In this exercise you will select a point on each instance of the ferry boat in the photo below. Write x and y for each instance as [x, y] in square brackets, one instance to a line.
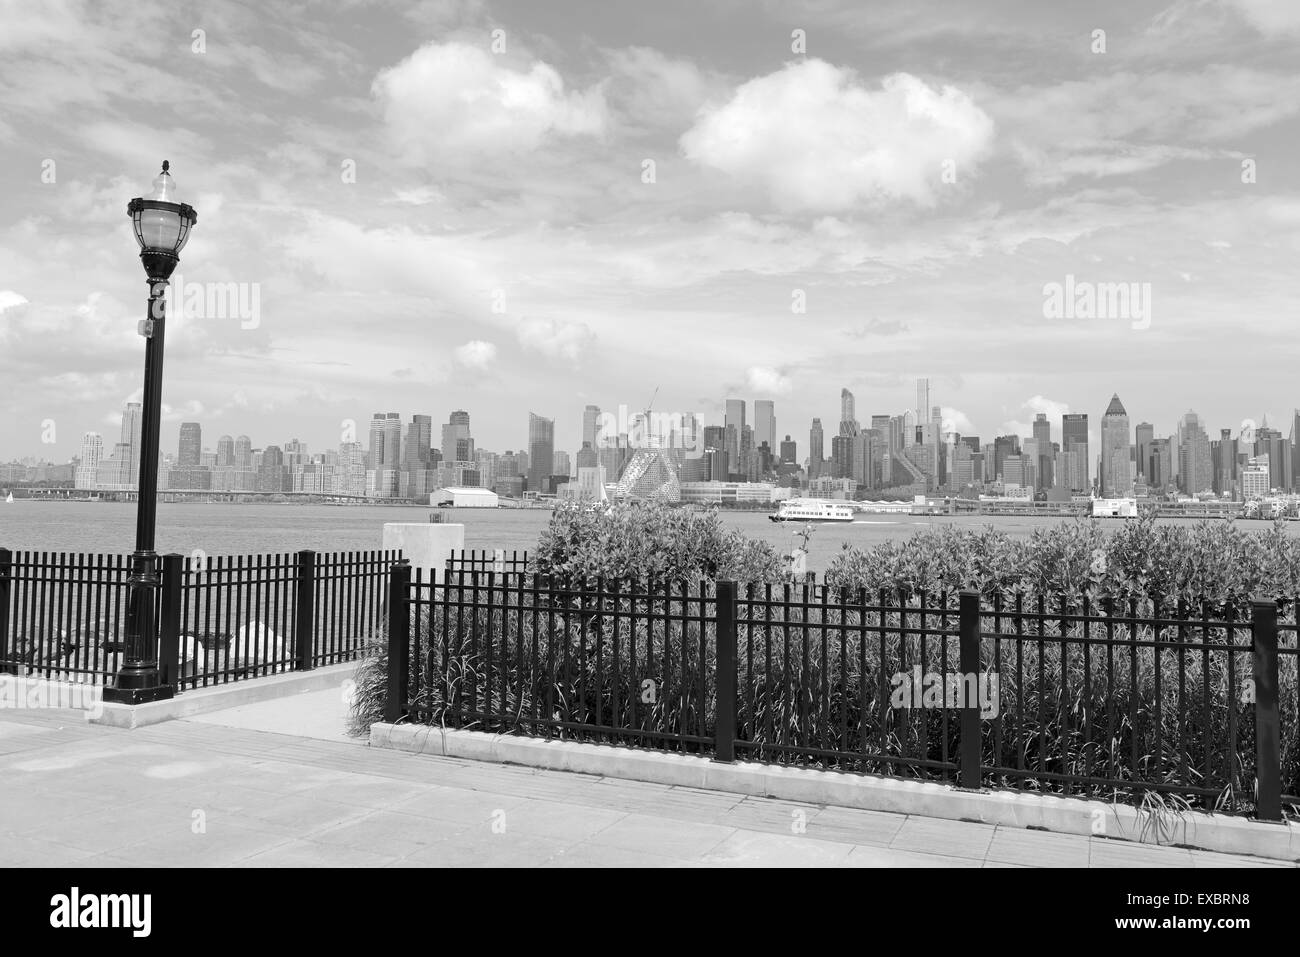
[812, 510]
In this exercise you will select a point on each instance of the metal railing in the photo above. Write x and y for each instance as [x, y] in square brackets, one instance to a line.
[220, 618]
[1120, 698]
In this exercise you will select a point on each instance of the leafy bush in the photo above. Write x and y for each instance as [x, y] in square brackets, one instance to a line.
[649, 542]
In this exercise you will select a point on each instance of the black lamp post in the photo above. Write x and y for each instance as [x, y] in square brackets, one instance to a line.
[161, 228]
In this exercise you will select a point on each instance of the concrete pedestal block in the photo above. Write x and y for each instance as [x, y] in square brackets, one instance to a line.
[426, 545]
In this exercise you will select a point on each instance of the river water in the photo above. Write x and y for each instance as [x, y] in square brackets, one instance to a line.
[248, 529]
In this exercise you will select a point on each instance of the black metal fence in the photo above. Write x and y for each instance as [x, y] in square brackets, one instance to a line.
[1127, 697]
[220, 618]
[488, 560]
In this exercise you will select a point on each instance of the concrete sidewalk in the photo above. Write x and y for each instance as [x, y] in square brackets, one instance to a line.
[217, 791]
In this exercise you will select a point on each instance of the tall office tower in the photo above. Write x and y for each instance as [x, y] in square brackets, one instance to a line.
[392, 441]
[92, 452]
[1004, 446]
[1115, 476]
[225, 452]
[419, 441]
[270, 470]
[909, 428]
[715, 451]
[881, 424]
[376, 455]
[457, 445]
[860, 452]
[560, 463]
[1195, 470]
[898, 433]
[971, 440]
[1278, 451]
[848, 413]
[815, 451]
[1143, 435]
[1224, 453]
[842, 456]
[132, 420]
[1044, 454]
[190, 447]
[541, 452]
[591, 425]
[922, 400]
[1074, 438]
[765, 423]
[789, 452]
[734, 423]
[244, 454]
[586, 457]
[1295, 449]
[1160, 471]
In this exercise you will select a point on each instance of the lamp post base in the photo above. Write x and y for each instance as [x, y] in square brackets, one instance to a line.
[115, 694]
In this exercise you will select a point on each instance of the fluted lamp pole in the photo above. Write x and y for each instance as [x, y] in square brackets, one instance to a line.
[162, 227]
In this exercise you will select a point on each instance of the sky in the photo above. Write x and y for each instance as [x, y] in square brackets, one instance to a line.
[514, 207]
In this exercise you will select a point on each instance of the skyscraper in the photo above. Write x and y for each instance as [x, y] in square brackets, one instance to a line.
[1195, 470]
[816, 454]
[922, 400]
[92, 451]
[735, 426]
[225, 452]
[765, 423]
[848, 414]
[590, 426]
[541, 452]
[789, 451]
[457, 446]
[1074, 438]
[1115, 475]
[1143, 435]
[190, 447]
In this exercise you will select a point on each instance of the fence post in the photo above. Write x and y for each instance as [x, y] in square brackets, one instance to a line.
[1268, 753]
[399, 641]
[304, 609]
[169, 625]
[724, 720]
[968, 775]
[6, 573]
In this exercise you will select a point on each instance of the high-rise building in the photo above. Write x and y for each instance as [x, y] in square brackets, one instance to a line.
[842, 456]
[765, 423]
[92, 451]
[1143, 434]
[561, 464]
[1074, 438]
[1115, 474]
[541, 451]
[225, 452]
[591, 427]
[848, 413]
[1195, 469]
[789, 452]
[190, 447]
[816, 454]
[1224, 454]
[922, 400]
[244, 454]
[457, 445]
[1044, 454]
[734, 422]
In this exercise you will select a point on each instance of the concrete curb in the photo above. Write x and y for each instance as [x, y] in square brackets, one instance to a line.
[1221, 833]
[219, 697]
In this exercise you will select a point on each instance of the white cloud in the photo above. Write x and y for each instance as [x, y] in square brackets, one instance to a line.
[457, 102]
[816, 139]
[9, 299]
[475, 354]
[1270, 16]
[555, 337]
[955, 420]
[767, 381]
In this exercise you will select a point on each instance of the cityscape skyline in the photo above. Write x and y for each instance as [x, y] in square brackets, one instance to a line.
[911, 452]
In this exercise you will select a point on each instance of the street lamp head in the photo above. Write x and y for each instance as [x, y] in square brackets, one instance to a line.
[162, 226]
